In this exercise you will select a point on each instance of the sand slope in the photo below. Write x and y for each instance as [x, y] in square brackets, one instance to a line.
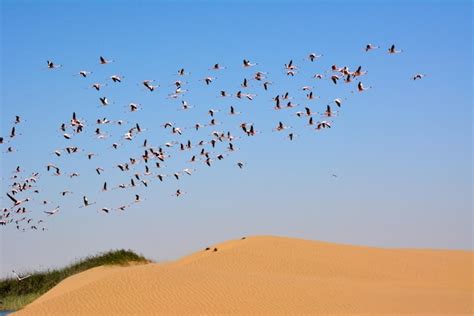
[270, 276]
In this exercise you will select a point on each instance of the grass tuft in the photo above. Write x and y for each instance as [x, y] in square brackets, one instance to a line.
[15, 294]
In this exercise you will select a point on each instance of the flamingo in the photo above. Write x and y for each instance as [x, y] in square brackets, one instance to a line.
[52, 65]
[418, 76]
[247, 63]
[17, 202]
[52, 212]
[313, 56]
[369, 47]
[18, 277]
[104, 61]
[86, 202]
[84, 73]
[392, 50]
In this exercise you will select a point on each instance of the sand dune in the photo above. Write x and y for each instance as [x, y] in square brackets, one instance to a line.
[271, 276]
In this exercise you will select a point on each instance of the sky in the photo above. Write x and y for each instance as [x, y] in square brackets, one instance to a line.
[402, 150]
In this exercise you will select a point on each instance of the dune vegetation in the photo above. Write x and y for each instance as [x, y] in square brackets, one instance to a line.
[15, 294]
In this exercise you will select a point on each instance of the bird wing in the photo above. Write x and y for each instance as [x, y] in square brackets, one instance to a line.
[12, 198]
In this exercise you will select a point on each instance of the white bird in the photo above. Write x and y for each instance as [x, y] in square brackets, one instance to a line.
[133, 107]
[208, 80]
[361, 88]
[116, 78]
[418, 76]
[86, 202]
[216, 67]
[323, 124]
[97, 86]
[104, 101]
[52, 65]
[232, 111]
[19, 278]
[181, 72]
[52, 212]
[290, 66]
[104, 61]
[84, 73]
[370, 47]
[17, 202]
[150, 87]
[313, 56]
[247, 63]
[188, 171]
[392, 50]
[280, 127]
[185, 105]
[338, 102]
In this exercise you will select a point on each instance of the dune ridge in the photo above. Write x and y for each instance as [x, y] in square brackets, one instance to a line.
[266, 275]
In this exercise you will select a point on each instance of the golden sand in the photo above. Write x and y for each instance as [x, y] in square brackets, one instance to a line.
[272, 276]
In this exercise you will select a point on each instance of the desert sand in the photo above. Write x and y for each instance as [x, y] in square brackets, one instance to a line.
[266, 275]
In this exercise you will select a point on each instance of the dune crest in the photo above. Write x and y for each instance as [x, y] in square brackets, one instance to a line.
[273, 275]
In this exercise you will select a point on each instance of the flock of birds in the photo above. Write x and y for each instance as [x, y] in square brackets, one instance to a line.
[148, 163]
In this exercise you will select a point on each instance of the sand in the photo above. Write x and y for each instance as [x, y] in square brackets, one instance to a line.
[266, 275]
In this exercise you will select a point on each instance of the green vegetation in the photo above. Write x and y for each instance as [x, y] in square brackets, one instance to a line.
[15, 294]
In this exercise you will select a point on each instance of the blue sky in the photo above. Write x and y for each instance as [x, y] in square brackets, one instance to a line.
[402, 150]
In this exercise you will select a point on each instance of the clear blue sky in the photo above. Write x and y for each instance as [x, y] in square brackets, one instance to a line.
[402, 150]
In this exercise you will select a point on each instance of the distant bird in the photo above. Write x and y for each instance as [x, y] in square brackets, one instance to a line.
[147, 84]
[392, 50]
[181, 72]
[208, 80]
[104, 101]
[116, 78]
[328, 112]
[361, 88]
[97, 86]
[13, 132]
[122, 207]
[418, 76]
[247, 63]
[15, 201]
[104, 61]
[232, 111]
[216, 67]
[266, 84]
[338, 102]
[52, 212]
[52, 65]
[281, 127]
[370, 47]
[18, 277]
[86, 202]
[313, 56]
[323, 124]
[84, 73]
